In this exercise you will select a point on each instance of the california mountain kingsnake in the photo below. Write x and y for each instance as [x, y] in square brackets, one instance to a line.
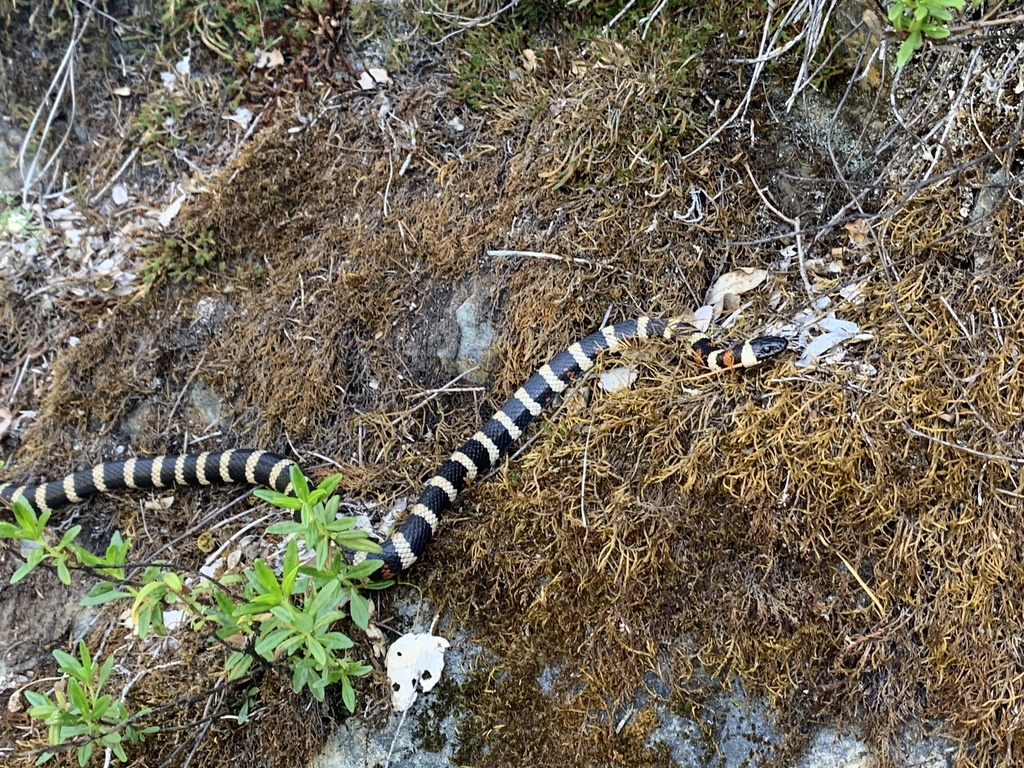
[477, 455]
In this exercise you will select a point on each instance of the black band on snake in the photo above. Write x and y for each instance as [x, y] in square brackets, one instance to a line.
[477, 455]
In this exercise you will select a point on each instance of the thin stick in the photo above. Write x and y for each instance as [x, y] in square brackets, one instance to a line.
[964, 448]
[18, 380]
[583, 478]
[551, 256]
[185, 386]
[435, 392]
[65, 76]
[617, 16]
[863, 585]
[480, 21]
[794, 223]
[117, 174]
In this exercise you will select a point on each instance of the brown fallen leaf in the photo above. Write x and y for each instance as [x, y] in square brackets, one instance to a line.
[858, 231]
[738, 281]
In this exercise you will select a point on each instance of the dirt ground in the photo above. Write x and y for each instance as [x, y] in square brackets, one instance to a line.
[844, 533]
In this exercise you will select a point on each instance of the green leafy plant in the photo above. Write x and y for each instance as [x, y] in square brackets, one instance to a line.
[63, 555]
[159, 589]
[287, 620]
[179, 259]
[236, 31]
[922, 18]
[83, 710]
[14, 219]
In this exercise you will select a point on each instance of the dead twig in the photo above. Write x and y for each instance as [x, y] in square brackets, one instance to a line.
[63, 81]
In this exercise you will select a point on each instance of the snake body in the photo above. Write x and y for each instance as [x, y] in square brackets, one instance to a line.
[475, 457]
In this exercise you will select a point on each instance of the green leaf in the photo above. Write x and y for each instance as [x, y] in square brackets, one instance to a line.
[268, 645]
[266, 578]
[9, 531]
[25, 516]
[70, 535]
[300, 674]
[144, 620]
[243, 713]
[278, 499]
[355, 669]
[357, 540]
[68, 664]
[317, 686]
[364, 570]
[323, 553]
[283, 529]
[98, 598]
[359, 607]
[117, 550]
[238, 664]
[105, 668]
[329, 511]
[37, 699]
[329, 483]
[86, 657]
[290, 567]
[118, 749]
[77, 696]
[286, 613]
[935, 32]
[288, 647]
[348, 694]
[99, 709]
[173, 581]
[339, 524]
[336, 641]
[34, 558]
[62, 573]
[327, 597]
[299, 484]
[907, 48]
[316, 650]
[84, 753]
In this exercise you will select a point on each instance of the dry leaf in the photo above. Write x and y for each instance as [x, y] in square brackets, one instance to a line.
[414, 664]
[702, 317]
[529, 60]
[616, 379]
[159, 505]
[738, 281]
[233, 559]
[858, 231]
[269, 59]
[242, 116]
[14, 704]
[373, 77]
[123, 90]
[167, 215]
